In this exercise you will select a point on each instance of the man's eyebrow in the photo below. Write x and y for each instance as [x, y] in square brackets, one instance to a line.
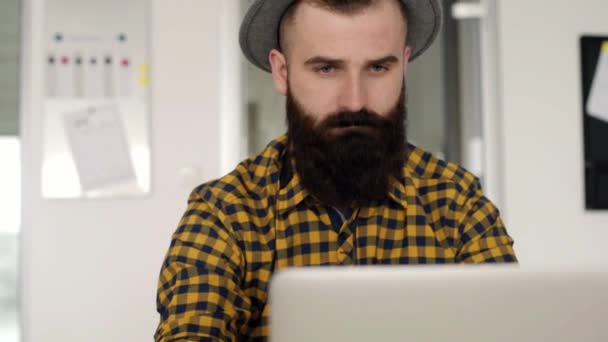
[385, 60]
[335, 61]
[323, 60]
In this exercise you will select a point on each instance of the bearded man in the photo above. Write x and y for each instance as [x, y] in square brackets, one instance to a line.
[342, 187]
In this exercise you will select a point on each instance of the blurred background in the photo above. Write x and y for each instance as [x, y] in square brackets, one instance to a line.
[10, 175]
[501, 92]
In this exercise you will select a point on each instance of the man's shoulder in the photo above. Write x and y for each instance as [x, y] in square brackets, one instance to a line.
[254, 179]
[426, 170]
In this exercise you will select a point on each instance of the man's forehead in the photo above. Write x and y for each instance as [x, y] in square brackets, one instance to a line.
[341, 8]
[380, 29]
[340, 5]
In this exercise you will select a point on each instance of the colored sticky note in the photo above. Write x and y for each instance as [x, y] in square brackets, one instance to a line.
[142, 78]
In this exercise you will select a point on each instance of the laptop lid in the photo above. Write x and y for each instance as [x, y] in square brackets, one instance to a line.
[422, 303]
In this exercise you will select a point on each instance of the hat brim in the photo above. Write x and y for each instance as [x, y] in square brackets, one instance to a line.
[259, 29]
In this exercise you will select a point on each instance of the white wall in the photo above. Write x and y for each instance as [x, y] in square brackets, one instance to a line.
[543, 130]
[90, 267]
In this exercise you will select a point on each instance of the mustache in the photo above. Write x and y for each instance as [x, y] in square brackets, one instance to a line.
[359, 118]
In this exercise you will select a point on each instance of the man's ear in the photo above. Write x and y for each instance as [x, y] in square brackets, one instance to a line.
[278, 65]
[407, 53]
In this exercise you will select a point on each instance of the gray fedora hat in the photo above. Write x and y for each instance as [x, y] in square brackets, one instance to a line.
[260, 28]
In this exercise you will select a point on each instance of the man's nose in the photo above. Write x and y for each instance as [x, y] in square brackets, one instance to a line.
[352, 95]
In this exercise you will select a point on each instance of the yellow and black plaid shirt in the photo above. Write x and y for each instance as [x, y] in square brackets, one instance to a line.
[238, 230]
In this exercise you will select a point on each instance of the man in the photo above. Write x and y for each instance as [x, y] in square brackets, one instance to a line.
[341, 188]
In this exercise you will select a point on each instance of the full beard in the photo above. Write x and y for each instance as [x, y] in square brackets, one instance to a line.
[354, 166]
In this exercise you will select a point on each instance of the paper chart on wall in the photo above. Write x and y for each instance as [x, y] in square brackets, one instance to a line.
[597, 104]
[100, 148]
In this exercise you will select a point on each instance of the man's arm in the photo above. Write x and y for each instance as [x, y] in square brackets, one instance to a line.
[199, 296]
[483, 237]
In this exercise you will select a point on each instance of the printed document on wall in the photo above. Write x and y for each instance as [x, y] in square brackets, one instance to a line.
[597, 105]
[100, 148]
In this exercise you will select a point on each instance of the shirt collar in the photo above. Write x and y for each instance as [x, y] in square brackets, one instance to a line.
[291, 191]
[397, 191]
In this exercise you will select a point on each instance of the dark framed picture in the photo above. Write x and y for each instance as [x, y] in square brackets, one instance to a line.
[594, 71]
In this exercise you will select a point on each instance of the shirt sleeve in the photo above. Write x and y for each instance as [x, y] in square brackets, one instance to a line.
[483, 237]
[199, 296]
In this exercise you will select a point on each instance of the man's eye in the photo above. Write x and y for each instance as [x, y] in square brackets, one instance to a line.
[378, 68]
[326, 69]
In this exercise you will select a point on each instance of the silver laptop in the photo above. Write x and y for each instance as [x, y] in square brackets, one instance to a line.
[417, 303]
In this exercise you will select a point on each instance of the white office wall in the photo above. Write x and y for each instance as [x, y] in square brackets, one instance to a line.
[90, 267]
[542, 130]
